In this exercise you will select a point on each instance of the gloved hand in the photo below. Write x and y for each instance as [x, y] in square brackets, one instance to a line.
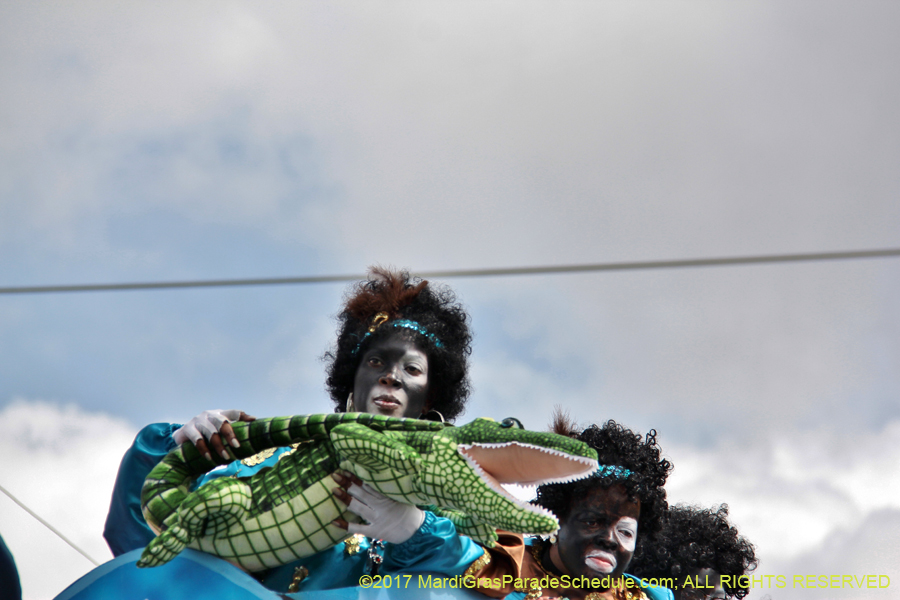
[208, 425]
[388, 519]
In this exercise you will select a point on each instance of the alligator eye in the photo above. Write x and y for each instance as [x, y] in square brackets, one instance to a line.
[511, 422]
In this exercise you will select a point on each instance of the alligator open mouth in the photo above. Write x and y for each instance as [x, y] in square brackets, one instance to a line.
[524, 464]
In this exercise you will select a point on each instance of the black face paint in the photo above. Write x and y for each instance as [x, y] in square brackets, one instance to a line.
[598, 537]
[392, 379]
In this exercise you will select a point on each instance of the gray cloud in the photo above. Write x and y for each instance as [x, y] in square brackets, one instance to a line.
[870, 549]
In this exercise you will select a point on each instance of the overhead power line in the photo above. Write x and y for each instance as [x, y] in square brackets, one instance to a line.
[49, 526]
[453, 273]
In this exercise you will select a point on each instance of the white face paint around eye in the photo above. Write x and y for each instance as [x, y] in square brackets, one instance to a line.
[626, 533]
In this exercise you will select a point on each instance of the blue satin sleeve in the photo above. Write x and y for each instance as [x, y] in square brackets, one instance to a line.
[436, 547]
[125, 529]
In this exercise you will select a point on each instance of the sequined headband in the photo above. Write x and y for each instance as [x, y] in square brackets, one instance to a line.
[612, 470]
[404, 323]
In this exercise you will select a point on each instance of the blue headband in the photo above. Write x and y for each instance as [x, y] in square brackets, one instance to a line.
[612, 470]
[404, 323]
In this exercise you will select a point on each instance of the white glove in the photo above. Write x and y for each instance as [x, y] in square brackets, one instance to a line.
[205, 425]
[388, 519]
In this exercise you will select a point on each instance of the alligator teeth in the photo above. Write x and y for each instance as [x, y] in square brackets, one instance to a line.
[589, 466]
[492, 483]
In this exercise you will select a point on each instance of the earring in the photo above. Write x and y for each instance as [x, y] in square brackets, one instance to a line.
[424, 415]
[553, 538]
[349, 407]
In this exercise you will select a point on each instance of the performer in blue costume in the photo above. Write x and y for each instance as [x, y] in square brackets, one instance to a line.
[401, 351]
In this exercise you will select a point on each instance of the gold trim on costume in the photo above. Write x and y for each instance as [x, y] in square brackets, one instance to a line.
[619, 594]
[535, 592]
[292, 450]
[252, 461]
[480, 563]
[300, 573]
[351, 544]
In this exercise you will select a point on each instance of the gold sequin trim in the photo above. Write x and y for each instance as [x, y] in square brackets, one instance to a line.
[535, 592]
[351, 544]
[629, 595]
[300, 573]
[480, 563]
[292, 450]
[252, 461]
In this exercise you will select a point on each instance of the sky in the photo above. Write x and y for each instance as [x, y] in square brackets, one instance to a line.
[211, 140]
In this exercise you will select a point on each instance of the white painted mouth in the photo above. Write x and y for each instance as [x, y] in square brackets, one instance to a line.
[603, 562]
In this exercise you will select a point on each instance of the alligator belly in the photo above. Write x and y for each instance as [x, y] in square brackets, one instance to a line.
[289, 531]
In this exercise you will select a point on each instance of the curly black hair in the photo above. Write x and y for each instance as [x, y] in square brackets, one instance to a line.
[620, 447]
[448, 342]
[693, 539]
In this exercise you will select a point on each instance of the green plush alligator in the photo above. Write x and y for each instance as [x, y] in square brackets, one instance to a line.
[284, 513]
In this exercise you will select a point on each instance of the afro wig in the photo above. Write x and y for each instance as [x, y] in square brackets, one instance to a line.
[693, 539]
[440, 329]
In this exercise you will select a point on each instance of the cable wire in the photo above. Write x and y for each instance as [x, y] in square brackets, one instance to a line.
[49, 526]
[498, 272]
